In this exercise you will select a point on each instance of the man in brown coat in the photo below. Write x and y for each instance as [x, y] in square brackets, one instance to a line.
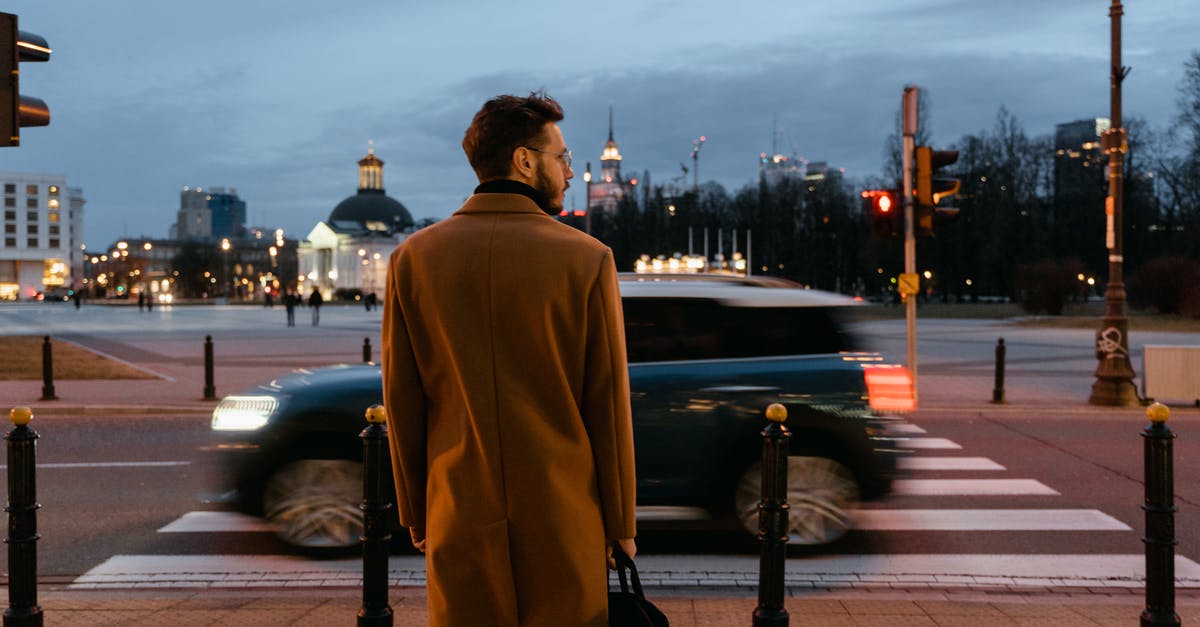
[507, 389]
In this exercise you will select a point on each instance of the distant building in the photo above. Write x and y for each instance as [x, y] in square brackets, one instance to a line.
[43, 233]
[211, 214]
[609, 189]
[1079, 191]
[819, 171]
[348, 252]
[776, 168]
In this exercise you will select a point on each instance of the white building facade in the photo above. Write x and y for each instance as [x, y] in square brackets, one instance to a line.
[41, 246]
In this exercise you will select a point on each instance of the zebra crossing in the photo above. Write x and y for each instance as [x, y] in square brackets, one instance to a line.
[968, 477]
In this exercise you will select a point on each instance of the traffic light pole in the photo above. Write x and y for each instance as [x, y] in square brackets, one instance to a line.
[909, 113]
[1114, 373]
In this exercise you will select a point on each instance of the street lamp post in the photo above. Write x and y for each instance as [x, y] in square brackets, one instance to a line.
[697, 144]
[225, 267]
[587, 203]
[1114, 373]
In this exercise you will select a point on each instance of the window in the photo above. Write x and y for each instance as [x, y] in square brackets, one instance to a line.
[10, 215]
[10, 188]
[31, 202]
[31, 229]
[53, 243]
[10, 228]
[10, 242]
[31, 190]
[53, 191]
[52, 203]
[31, 216]
[54, 229]
[10, 202]
[52, 217]
[31, 242]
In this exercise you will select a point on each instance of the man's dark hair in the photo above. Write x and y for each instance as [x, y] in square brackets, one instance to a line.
[504, 124]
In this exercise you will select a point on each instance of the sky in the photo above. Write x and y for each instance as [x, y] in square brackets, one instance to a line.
[278, 99]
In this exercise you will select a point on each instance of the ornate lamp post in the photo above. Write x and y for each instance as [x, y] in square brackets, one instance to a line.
[1114, 373]
[225, 267]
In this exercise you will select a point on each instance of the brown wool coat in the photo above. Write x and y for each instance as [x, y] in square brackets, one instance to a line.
[507, 396]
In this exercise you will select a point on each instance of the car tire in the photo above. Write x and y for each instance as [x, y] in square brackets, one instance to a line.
[313, 504]
[822, 495]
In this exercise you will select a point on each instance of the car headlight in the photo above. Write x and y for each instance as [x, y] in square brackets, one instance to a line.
[243, 413]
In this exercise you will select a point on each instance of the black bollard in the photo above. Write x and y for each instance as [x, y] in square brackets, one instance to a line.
[47, 370]
[210, 390]
[23, 609]
[998, 391]
[366, 350]
[375, 611]
[772, 521]
[1160, 519]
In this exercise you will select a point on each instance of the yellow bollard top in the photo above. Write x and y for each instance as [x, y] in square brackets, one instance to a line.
[376, 414]
[776, 412]
[1158, 413]
[20, 416]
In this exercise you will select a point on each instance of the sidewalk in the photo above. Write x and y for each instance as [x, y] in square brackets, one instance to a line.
[329, 608]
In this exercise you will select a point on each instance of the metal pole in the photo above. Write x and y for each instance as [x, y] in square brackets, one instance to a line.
[998, 390]
[1114, 373]
[210, 390]
[47, 370]
[375, 611]
[1160, 519]
[587, 204]
[366, 350]
[773, 521]
[909, 110]
[23, 609]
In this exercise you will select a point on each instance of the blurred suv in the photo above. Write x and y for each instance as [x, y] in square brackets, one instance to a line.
[707, 355]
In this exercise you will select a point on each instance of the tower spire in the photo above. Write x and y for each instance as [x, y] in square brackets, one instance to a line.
[610, 134]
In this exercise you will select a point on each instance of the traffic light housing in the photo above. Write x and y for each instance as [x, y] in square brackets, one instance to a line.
[885, 212]
[929, 189]
[16, 110]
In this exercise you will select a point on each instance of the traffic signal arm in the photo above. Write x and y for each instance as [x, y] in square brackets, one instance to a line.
[17, 46]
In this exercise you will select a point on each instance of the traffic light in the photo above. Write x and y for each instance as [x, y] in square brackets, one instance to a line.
[928, 190]
[17, 110]
[885, 211]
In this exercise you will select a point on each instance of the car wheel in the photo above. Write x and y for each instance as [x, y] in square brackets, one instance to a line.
[822, 494]
[314, 503]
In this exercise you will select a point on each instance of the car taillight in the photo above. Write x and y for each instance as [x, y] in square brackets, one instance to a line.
[889, 388]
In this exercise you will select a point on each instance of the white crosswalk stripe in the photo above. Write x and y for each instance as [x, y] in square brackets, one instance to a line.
[928, 443]
[986, 520]
[948, 463]
[970, 487]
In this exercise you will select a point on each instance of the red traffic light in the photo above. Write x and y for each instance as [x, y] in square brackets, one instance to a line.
[884, 212]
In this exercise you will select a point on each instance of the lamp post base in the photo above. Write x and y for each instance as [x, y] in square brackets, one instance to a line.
[1114, 374]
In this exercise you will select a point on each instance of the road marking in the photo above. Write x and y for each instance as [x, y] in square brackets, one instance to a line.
[970, 487]
[106, 465]
[690, 571]
[905, 427]
[928, 443]
[209, 522]
[947, 463]
[986, 520]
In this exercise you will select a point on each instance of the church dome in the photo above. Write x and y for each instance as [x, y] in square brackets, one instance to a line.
[371, 209]
[372, 206]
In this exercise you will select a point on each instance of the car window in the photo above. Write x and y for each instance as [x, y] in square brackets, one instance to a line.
[675, 329]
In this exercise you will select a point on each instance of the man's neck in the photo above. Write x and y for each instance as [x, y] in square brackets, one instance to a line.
[509, 186]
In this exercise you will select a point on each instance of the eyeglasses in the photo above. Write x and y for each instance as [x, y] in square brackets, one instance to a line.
[564, 155]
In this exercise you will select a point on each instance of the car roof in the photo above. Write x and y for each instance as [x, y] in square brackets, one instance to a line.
[730, 290]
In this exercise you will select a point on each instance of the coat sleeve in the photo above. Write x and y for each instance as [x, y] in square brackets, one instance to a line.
[404, 399]
[605, 409]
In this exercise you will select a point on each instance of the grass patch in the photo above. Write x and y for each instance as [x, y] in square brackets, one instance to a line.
[21, 359]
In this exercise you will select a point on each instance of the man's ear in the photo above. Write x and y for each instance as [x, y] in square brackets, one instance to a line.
[522, 164]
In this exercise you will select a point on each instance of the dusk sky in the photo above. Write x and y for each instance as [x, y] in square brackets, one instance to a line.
[278, 99]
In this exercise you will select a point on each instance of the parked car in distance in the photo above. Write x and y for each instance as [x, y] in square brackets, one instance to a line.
[707, 356]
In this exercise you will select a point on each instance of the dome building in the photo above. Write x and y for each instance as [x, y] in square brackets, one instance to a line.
[347, 254]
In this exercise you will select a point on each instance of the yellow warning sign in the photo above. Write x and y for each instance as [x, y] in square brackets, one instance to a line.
[908, 284]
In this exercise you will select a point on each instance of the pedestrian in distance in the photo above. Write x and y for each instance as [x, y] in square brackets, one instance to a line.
[315, 300]
[289, 305]
[75, 299]
[149, 303]
[367, 301]
[141, 301]
[507, 389]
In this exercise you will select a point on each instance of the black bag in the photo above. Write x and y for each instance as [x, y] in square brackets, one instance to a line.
[631, 609]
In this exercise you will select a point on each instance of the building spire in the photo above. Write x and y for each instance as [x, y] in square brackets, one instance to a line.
[370, 170]
[610, 132]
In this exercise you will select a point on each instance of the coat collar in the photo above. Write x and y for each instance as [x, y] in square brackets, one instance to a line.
[500, 203]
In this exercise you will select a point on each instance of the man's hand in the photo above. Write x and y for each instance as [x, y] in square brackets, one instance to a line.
[626, 544]
[418, 538]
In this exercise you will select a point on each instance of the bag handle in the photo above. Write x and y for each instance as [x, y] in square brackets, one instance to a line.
[625, 562]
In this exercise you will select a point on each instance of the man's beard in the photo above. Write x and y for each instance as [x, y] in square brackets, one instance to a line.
[545, 187]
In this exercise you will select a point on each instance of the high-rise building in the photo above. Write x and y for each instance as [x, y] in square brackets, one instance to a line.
[609, 189]
[43, 232]
[776, 168]
[211, 214]
[1079, 191]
